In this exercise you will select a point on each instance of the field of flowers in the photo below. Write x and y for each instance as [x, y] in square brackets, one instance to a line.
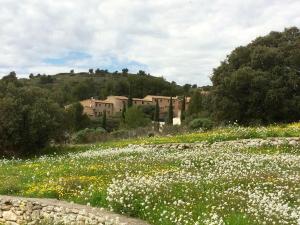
[255, 181]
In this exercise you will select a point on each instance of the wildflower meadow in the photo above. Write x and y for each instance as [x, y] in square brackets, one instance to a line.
[234, 176]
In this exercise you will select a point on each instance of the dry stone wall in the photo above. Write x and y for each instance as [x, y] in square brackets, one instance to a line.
[21, 211]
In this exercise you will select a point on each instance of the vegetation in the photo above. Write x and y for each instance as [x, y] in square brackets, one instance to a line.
[28, 120]
[44, 109]
[183, 112]
[170, 113]
[134, 118]
[201, 123]
[260, 83]
[207, 184]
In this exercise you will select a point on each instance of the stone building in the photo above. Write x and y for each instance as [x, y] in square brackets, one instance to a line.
[95, 108]
[114, 105]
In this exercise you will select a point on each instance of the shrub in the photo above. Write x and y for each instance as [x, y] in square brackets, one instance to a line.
[132, 133]
[135, 118]
[173, 129]
[201, 123]
[90, 135]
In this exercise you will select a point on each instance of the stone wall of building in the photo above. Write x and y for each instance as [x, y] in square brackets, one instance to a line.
[21, 211]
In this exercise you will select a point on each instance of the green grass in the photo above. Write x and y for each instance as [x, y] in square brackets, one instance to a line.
[222, 183]
[216, 135]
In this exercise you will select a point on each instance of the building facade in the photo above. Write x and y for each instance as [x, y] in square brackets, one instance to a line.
[113, 105]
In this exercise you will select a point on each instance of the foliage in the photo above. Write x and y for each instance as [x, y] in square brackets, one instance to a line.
[123, 113]
[67, 88]
[195, 105]
[28, 120]
[259, 83]
[170, 113]
[89, 135]
[130, 101]
[148, 110]
[201, 123]
[77, 120]
[104, 120]
[134, 118]
[183, 103]
[156, 113]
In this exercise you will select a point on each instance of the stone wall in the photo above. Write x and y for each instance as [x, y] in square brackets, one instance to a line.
[21, 211]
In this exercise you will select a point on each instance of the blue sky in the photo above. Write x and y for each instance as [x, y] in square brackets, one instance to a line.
[182, 40]
[67, 59]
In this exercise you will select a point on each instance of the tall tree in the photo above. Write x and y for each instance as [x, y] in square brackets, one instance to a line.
[76, 119]
[182, 115]
[156, 113]
[170, 112]
[104, 120]
[195, 105]
[156, 116]
[130, 100]
[123, 112]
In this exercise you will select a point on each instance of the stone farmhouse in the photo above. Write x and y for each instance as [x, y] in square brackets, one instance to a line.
[113, 105]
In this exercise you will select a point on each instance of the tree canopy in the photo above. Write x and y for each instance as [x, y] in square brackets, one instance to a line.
[260, 82]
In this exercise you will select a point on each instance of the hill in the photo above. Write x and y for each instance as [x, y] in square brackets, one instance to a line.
[69, 87]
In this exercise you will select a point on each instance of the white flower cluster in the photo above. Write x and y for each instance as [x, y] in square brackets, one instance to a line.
[225, 178]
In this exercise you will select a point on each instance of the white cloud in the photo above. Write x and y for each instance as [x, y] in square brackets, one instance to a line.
[183, 40]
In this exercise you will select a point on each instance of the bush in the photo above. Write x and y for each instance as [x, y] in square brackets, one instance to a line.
[135, 118]
[29, 121]
[90, 135]
[132, 133]
[173, 129]
[201, 123]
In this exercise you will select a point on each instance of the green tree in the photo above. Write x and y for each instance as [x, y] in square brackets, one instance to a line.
[130, 101]
[104, 120]
[259, 83]
[156, 116]
[123, 113]
[142, 73]
[170, 112]
[125, 71]
[182, 115]
[134, 118]
[195, 105]
[29, 120]
[77, 119]
[156, 113]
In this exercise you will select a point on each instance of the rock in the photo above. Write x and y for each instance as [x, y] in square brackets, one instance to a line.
[6, 207]
[11, 223]
[9, 216]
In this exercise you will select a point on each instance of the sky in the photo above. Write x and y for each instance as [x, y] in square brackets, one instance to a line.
[181, 40]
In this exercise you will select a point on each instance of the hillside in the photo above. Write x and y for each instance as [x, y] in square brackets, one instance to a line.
[70, 87]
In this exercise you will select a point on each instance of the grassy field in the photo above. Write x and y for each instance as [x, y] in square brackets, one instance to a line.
[216, 135]
[213, 183]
